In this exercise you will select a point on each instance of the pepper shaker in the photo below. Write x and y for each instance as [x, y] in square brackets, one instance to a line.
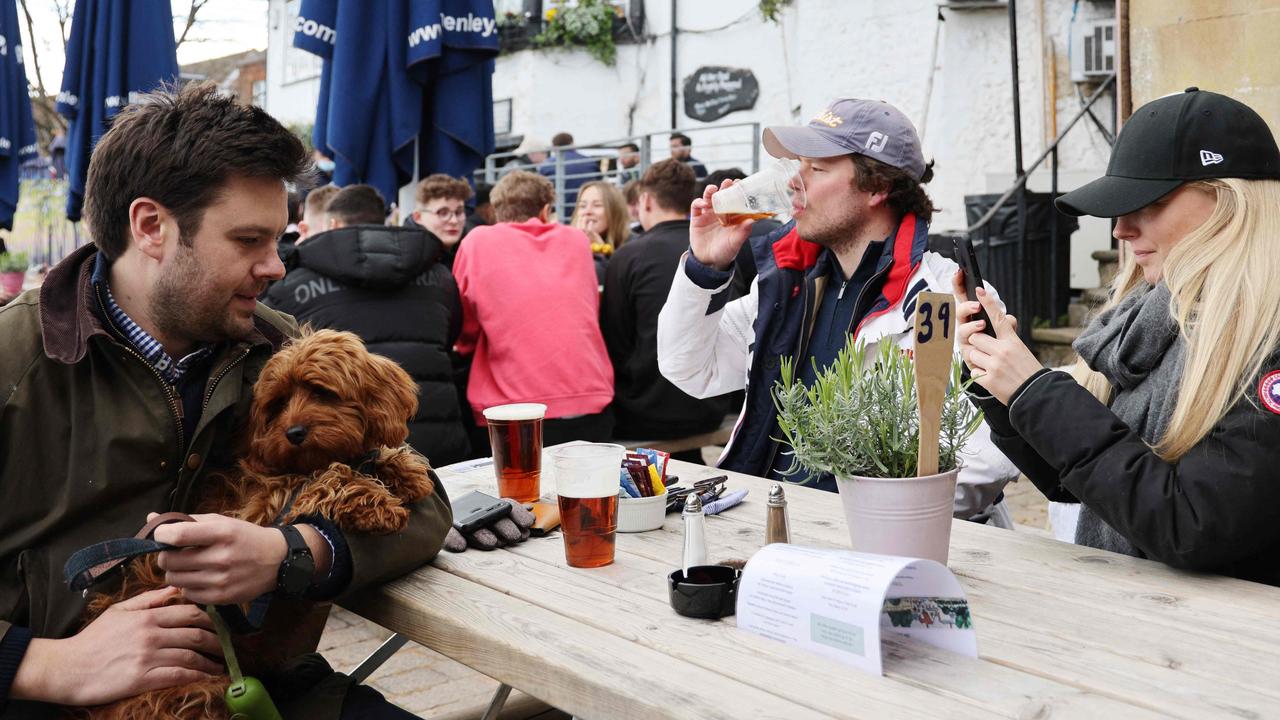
[777, 529]
[695, 533]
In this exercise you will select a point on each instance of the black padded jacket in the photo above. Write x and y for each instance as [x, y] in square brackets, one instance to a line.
[387, 285]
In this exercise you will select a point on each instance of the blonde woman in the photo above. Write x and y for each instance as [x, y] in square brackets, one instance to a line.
[602, 214]
[1167, 432]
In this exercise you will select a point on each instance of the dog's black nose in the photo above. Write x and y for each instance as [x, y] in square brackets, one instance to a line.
[296, 434]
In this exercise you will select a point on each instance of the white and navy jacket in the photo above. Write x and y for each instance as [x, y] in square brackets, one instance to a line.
[709, 345]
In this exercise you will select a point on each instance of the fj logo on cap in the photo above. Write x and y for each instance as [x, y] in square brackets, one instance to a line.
[829, 119]
[875, 142]
[1209, 158]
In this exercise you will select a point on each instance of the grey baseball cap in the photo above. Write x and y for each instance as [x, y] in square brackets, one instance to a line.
[867, 127]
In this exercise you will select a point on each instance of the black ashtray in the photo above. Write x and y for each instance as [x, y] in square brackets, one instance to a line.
[710, 591]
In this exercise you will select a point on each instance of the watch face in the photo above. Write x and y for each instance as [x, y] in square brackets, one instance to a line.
[298, 565]
[296, 571]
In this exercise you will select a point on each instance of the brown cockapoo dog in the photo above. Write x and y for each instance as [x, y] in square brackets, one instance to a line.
[324, 407]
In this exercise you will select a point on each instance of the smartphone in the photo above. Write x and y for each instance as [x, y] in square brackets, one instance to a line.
[476, 509]
[972, 280]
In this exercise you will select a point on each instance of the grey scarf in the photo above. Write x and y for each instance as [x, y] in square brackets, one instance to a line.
[1136, 346]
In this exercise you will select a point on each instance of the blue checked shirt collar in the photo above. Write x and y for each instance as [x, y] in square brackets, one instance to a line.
[140, 339]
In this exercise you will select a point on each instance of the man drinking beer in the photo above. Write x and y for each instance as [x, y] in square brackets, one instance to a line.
[850, 262]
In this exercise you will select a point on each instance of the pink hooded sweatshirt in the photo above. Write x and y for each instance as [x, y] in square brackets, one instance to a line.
[531, 316]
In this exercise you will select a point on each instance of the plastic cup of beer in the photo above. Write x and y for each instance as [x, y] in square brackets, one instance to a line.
[774, 192]
[587, 486]
[515, 433]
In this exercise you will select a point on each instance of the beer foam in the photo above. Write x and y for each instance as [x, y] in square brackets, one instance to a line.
[519, 411]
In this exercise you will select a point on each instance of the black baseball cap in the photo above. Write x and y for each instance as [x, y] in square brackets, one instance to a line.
[1191, 135]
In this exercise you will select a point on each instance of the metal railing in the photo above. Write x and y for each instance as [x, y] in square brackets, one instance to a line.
[720, 147]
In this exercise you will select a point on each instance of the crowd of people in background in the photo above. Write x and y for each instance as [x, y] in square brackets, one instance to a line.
[447, 292]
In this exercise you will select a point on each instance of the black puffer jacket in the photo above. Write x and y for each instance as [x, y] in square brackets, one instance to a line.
[386, 285]
[1214, 510]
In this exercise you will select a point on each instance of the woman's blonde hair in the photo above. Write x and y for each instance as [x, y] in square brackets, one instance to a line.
[1226, 301]
[617, 227]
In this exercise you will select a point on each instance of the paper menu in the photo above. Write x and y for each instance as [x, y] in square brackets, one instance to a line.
[837, 603]
[470, 468]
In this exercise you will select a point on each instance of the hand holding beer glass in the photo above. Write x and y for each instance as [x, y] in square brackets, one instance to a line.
[719, 224]
[587, 486]
[515, 432]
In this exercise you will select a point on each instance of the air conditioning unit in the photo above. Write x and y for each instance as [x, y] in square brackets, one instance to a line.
[1093, 50]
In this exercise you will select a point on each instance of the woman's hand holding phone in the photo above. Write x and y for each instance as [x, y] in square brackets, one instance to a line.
[1000, 364]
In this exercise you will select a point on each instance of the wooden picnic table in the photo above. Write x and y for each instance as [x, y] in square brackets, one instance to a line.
[1063, 630]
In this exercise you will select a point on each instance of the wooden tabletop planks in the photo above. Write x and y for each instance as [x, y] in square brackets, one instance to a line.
[1063, 631]
[565, 663]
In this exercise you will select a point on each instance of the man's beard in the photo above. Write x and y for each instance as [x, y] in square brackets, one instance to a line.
[183, 305]
[836, 234]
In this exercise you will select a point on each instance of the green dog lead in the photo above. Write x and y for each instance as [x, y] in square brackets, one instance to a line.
[246, 698]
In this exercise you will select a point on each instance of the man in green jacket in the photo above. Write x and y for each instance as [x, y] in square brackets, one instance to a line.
[122, 384]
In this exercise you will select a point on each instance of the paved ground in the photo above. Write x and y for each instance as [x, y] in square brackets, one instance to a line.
[1027, 505]
[419, 680]
[437, 688]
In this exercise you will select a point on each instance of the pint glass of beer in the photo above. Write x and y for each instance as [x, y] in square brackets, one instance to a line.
[587, 483]
[776, 191]
[515, 432]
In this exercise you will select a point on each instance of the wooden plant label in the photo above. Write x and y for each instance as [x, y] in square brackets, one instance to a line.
[934, 342]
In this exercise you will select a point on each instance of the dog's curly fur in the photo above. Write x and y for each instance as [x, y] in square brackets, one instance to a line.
[350, 402]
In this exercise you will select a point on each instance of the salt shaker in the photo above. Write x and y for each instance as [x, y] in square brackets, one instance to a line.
[695, 533]
[776, 528]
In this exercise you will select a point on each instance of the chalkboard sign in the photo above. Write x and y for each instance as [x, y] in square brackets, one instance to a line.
[713, 92]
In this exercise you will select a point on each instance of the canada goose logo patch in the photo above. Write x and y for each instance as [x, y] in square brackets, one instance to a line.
[1269, 391]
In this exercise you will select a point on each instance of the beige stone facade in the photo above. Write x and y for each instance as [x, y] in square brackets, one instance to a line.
[1228, 46]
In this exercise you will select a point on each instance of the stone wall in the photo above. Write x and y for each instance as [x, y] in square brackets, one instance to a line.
[1228, 46]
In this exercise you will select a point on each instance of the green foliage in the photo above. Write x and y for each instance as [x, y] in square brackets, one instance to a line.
[303, 131]
[509, 19]
[862, 420]
[14, 262]
[770, 9]
[588, 24]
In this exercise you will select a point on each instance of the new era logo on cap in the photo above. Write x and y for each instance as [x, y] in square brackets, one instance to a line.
[1192, 135]
[1209, 158]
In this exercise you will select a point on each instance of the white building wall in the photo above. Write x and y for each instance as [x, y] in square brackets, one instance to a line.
[293, 76]
[821, 50]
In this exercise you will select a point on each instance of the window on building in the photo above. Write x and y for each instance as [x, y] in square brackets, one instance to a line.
[260, 93]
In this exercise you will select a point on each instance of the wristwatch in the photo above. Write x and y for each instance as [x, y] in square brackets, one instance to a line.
[298, 566]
